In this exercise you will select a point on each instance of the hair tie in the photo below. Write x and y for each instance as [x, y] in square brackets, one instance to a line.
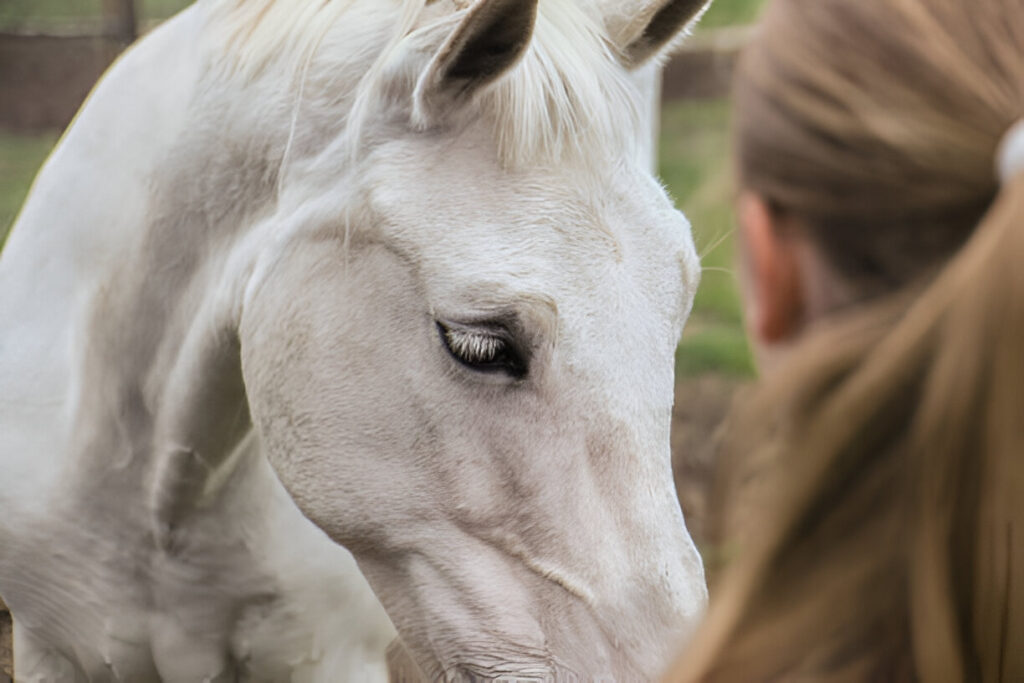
[1010, 153]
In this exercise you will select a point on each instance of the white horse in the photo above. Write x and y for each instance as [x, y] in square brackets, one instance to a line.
[389, 276]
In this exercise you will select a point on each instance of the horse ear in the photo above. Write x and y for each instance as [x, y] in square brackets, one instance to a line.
[491, 38]
[642, 34]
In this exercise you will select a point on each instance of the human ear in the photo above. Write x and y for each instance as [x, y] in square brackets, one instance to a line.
[770, 252]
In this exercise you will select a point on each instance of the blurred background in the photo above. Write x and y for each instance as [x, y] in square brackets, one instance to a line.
[52, 52]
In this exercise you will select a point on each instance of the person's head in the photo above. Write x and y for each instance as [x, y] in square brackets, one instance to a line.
[866, 140]
[883, 252]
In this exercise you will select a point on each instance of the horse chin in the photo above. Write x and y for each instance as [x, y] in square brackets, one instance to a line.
[572, 651]
[402, 669]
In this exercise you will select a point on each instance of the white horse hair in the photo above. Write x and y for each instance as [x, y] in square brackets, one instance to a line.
[334, 321]
[568, 95]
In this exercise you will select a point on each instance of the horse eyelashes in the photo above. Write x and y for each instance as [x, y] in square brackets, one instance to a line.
[482, 350]
[475, 348]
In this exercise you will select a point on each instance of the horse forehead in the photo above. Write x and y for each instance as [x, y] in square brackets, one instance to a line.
[456, 202]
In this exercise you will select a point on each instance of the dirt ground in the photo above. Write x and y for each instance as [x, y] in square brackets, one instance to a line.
[700, 408]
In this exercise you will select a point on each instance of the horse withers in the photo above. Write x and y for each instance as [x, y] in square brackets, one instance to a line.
[318, 291]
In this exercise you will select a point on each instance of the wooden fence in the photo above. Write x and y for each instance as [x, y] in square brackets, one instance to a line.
[44, 77]
[6, 649]
[702, 68]
[47, 70]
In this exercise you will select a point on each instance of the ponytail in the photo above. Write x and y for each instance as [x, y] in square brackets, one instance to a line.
[967, 569]
[889, 535]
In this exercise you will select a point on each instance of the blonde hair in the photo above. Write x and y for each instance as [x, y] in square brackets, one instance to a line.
[889, 453]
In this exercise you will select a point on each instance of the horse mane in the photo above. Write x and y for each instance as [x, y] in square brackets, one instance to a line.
[568, 97]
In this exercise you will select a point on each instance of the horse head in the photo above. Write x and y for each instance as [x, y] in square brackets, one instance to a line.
[457, 338]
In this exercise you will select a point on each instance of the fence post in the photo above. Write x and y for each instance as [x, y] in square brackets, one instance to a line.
[120, 20]
[6, 645]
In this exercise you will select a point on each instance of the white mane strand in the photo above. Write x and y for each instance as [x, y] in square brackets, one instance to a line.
[569, 96]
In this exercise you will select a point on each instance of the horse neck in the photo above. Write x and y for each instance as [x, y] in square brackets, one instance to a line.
[183, 162]
[144, 212]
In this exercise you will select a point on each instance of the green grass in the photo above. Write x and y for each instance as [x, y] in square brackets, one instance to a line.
[730, 12]
[15, 13]
[20, 159]
[695, 166]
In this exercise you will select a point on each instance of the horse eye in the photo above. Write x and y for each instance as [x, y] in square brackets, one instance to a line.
[482, 349]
